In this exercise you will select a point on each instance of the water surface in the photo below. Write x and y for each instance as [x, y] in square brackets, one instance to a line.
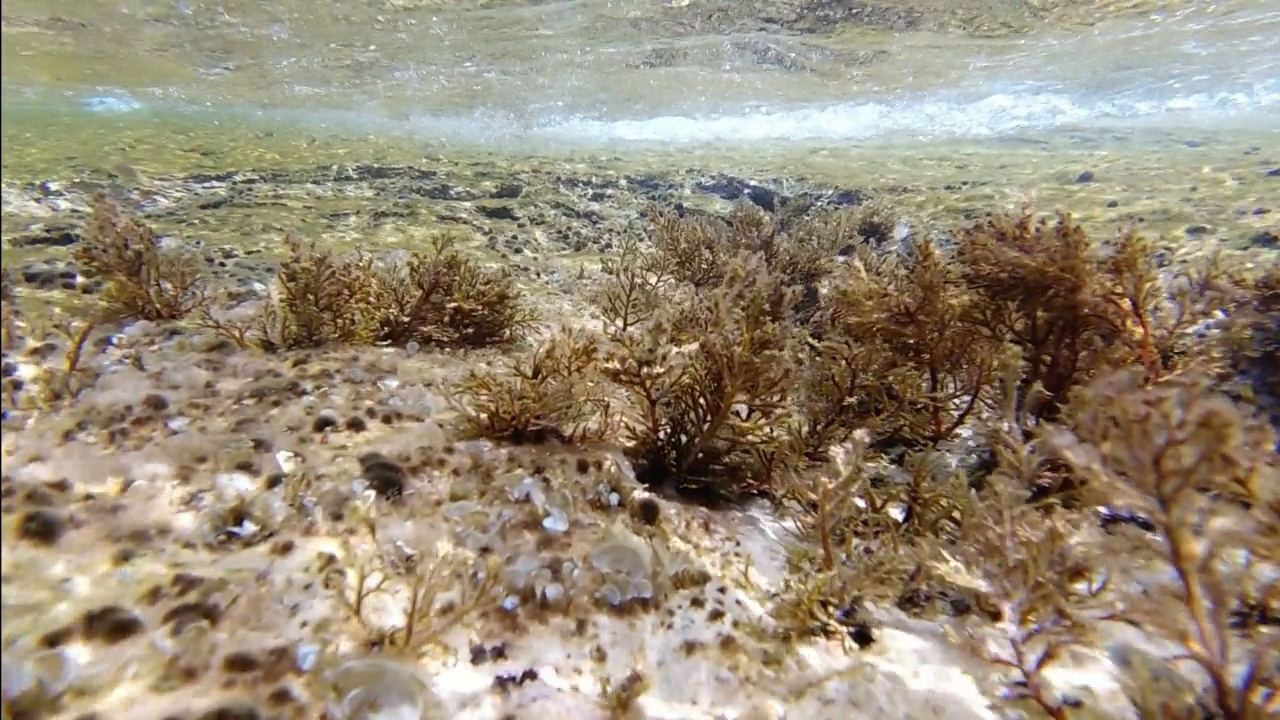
[1143, 90]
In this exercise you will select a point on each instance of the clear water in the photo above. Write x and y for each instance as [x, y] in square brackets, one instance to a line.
[616, 72]
[740, 82]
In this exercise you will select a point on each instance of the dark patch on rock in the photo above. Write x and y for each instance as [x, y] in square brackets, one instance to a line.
[662, 57]
[507, 191]
[770, 56]
[445, 191]
[844, 198]
[649, 186]
[366, 172]
[49, 276]
[386, 477]
[723, 187]
[42, 527]
[47, 237]
[214, 203]
[110, 624]
[1264, 239]
[731, 188]
[819, 16]
[498, 212]
[234, 711]
[384, 213]
[221, 178]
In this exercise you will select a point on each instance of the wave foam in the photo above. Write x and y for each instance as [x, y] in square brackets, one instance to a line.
[994, 115]
[908, 118]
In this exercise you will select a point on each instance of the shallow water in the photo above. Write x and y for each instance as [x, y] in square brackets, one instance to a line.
[1024, 96]
[232, 122]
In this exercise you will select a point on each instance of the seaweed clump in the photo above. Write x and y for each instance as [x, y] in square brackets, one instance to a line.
[144, 279]
[552, 394]
[708, 383]
[436, 297]
[1075, 309]
[703, 323]
[1255, 355]
[1203, 473]
[745, 361]
[743, 348]
[895, 352]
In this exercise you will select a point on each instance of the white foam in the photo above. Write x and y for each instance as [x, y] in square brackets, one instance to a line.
[924, 118]
[114, 103]
[992, 115]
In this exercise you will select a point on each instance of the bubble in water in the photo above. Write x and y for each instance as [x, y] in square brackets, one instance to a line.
[111, 104]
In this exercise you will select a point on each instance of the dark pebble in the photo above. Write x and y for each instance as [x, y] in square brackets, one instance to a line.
[1113, 203]
[648, 511]
[860, 633]
[386, 477]
[110, 624]
[232, 712]
[324, 422]
[241, 662]
[508, 191]
[1264, 239]
[41, 277]
[43, 527]
[1085, 177]
[498, 212]
[1273, 172]
[765, 198]
[48, 238]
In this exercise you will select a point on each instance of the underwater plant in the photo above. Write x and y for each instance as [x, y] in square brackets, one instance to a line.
[144, 280]
[707, 382]
[1203, 474]
[895, 353]
[1075, 308]
[436, 588]
[553, 393]
[440, 297]
[436, 297]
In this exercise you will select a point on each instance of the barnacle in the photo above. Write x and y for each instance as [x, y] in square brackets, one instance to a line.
[378, 689]
[554, 504]
[531, 577]
[626, 565]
